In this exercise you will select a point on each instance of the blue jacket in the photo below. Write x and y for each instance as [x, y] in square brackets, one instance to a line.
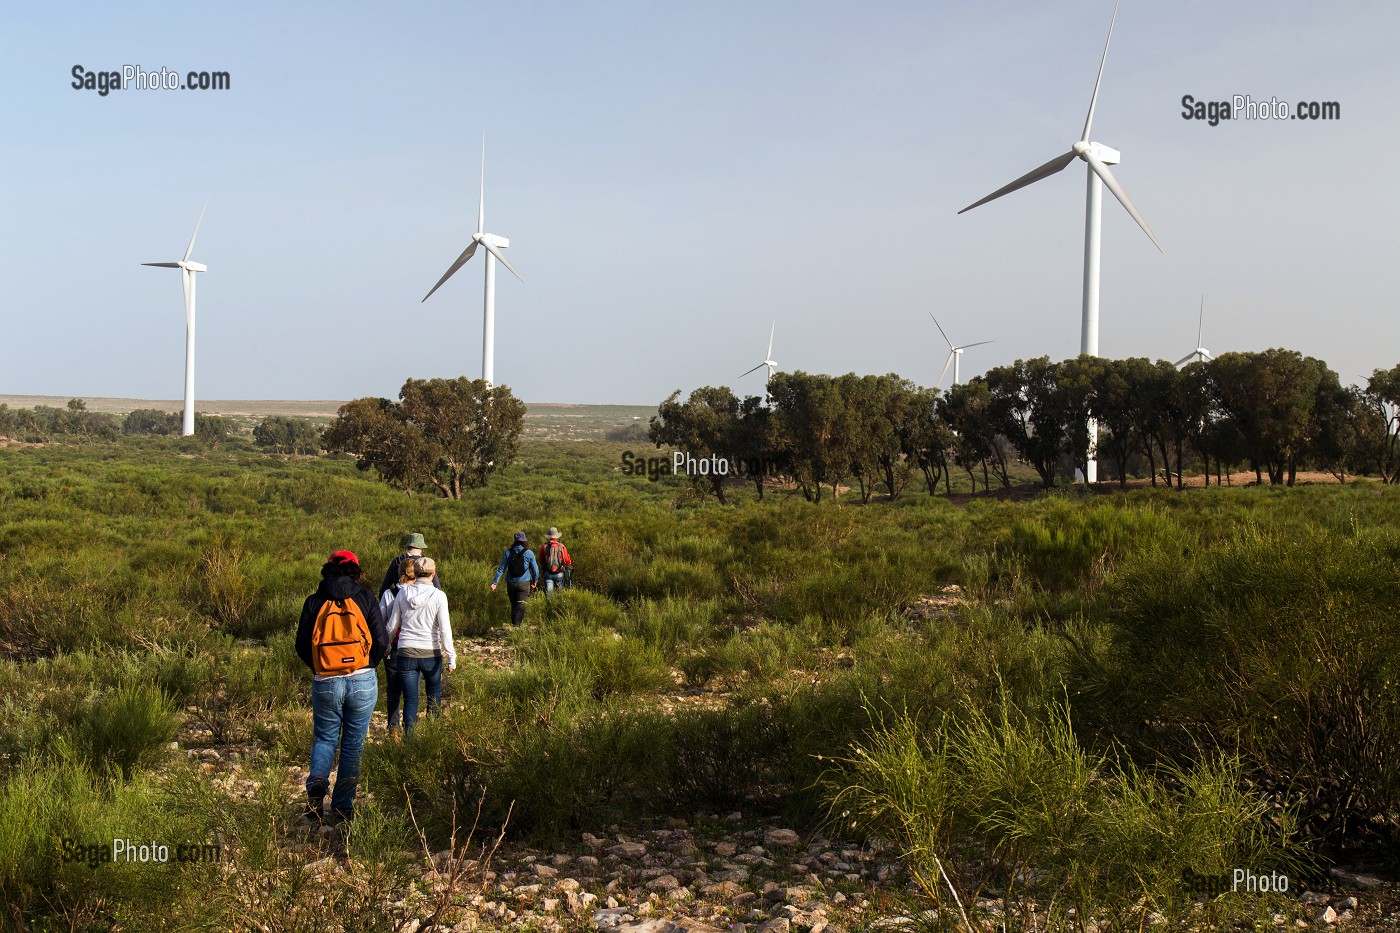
[532, 566]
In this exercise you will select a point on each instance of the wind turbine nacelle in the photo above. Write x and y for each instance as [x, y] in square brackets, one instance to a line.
[499, 242]
[1106, 154]
[196, 266]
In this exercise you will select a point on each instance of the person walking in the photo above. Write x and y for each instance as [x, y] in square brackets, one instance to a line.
[341, 637]
[556, 567]
[413, 547]
[522, 573]
[422, 625]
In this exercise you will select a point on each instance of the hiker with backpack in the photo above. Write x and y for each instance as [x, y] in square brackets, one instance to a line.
[341, 637]
[399, 568]
[522, 573]
[556, 567]
[422, 627]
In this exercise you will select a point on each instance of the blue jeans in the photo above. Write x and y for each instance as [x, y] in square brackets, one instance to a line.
[552, 582]
[340, 711]
[411, 671]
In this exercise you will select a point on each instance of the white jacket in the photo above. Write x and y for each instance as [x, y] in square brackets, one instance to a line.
[419, 616]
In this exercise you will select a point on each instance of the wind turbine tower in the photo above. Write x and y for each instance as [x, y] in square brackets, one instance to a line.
[493, 244]
[188, 269]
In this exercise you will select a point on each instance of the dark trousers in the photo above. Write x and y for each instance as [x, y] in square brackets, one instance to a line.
[518, 592]
[393, 689]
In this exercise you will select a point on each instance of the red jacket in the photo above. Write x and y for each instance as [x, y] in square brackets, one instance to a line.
[565, 562]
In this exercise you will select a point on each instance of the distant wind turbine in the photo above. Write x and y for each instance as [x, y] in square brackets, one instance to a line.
[1200, 353]
[954, 354]
[493, 245]
[188, 268]
[1098, 158]
[767, 359]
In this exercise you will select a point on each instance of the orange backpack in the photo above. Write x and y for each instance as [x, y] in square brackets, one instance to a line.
[340, 639]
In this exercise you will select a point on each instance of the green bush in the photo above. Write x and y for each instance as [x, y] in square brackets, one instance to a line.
[126, 728]
[1280, 648]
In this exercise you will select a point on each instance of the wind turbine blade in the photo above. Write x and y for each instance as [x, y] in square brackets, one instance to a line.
[190, 249]
[769, 354]
[1102, 171]
[505, 262]
[941, 331]
[1093, 101]
[949, 362]
[1205, 354]
[481, 199]
[163, 265]
[1049, 168]
[754, 370]
[461, 261]
[980, 343]
[1201, 322]
[1185, 358]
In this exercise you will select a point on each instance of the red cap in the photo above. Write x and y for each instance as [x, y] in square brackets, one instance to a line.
[347, 557]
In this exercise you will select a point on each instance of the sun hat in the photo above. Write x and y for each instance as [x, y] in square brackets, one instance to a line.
[415, 540]
[552, 533]
[425, 566]
[520, 537]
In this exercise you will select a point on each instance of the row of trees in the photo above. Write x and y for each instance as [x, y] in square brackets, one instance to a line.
[447, 435]
[44, 423]
[1274, 411]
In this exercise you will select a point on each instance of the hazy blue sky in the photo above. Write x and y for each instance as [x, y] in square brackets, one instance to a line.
[673, 177]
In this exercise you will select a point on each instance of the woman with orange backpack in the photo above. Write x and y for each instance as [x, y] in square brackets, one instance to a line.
[341, 637]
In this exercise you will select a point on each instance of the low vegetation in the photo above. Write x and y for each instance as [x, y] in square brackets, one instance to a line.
[1062, 707]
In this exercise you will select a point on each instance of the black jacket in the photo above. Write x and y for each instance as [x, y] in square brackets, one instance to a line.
[341, 588]
[391, 576]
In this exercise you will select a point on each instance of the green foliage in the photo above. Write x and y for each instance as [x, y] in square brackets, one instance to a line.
[1078, 834]
[446, 434]
[1278, 647]
[284, 435]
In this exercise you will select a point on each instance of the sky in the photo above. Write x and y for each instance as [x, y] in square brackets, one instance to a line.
[674, 178]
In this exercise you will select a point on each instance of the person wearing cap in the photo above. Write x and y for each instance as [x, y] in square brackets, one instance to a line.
[522, 573]
[555, 563]
[341, 704]
[413, 546]
[422, 629]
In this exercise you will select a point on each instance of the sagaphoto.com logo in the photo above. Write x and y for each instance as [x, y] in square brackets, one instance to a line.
[134, 77]
[1243, 107]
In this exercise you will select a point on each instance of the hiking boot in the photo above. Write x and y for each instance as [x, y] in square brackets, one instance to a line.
[315, 799]
[341, 816]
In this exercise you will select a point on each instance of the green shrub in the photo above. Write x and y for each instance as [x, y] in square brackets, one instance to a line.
[1280, 648]
[126, 728]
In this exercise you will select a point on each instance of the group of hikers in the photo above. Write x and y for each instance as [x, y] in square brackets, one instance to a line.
[345, 632]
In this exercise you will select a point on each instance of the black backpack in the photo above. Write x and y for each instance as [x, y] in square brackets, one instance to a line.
[517, 562]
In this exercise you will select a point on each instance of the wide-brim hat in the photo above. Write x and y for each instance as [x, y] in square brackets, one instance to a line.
[520, 537]
[552, 532]
[414, 540]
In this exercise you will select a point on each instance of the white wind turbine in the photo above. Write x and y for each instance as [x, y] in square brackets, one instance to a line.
[493, 245]
[767, 360]
[1097, 158]
[1200, 353]
[954, 354]
[188, 268]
